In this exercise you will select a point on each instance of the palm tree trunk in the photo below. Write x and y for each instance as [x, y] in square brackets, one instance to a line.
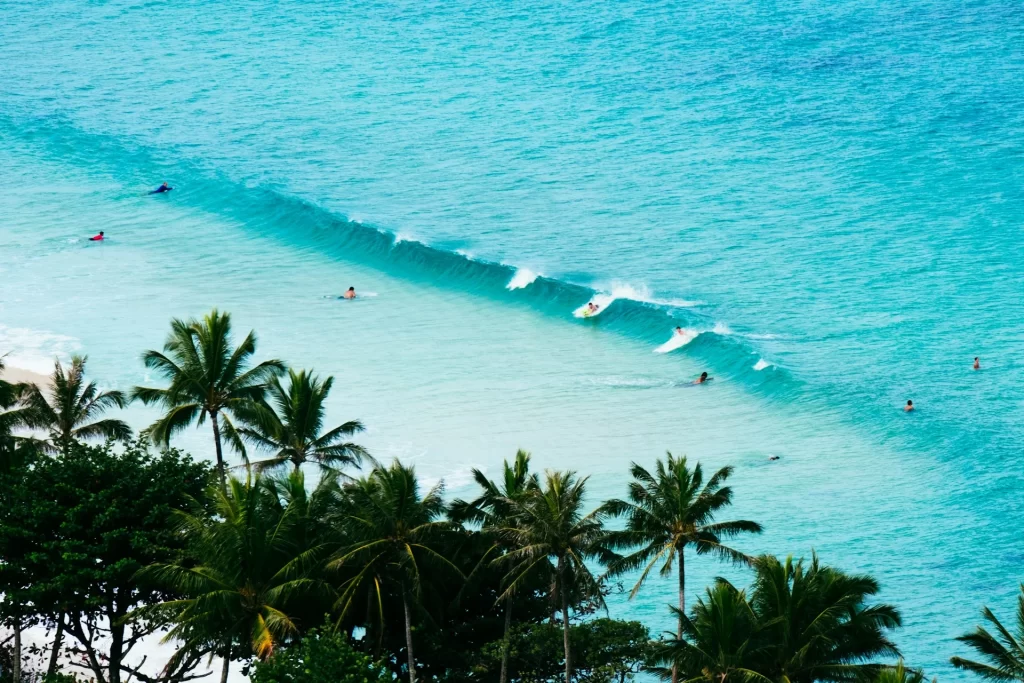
[16, 664]
[564, 594]
[408, 638]
[224, 669]
[58, 638]
[505, 643]
[682, 608]
[214, 419]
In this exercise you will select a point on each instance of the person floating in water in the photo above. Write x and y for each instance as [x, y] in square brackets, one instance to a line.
[773, 457]
[97, 238]
[164, 187]
[910, 406]
[703, 378]
[977, 363]
[679, 331]
[350, 293]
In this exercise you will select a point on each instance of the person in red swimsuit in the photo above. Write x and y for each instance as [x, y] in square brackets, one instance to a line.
[97, 238]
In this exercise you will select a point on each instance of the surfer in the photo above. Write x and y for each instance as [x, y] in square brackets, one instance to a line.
[773, 457]
[910, 406]
[977, 363]
[703, 378]
[164, 187]
[350, 293]
[679, 331]
[97, 238]
[592, 308]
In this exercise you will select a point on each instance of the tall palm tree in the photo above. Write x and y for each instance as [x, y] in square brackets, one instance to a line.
[289, 422]
[209, 378]
[13, 450]
[669, 511]
[1003, 650]
[495, 509]
[395, 534]
[816, 623]
[241, 572]
[719, 642]
[70, 411]
[551, 530]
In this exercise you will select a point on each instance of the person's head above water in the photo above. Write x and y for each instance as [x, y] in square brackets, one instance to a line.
[351, 289]
[703, 375]
[101, 233]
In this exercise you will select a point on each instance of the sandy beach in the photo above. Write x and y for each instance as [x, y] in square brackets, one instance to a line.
[18, 375]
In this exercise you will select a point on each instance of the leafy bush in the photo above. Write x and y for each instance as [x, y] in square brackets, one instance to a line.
[323, 656]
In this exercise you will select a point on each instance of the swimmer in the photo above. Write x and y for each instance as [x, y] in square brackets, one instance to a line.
[592, 307]
[703, 378]
[350, 294]
[773, 457]
[679, 331]
[910, 406]
[97, 238]
[164, 187]
[977, 363]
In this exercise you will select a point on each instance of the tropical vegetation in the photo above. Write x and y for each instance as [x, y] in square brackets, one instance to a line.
[315, 562]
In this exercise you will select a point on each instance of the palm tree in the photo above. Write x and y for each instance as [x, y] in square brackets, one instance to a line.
[816, 624]
[243, 567]
[550, 529]
[395, 534]
[495, 509]
[719, 642]
[209, 378]
[289, 425]
[14, 451]
[70, 411]
[1003, 650]
[900, 674]
[668, 511]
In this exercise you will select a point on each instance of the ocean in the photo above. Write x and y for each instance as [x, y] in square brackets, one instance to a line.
[827, 197]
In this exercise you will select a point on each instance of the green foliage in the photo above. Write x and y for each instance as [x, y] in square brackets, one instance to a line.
[208, 378]
[604, 651]
[1002, 651]
[322, 656]
[81, 525]
[289, 424]
[70, 410]
[801, 623]
[900, 674]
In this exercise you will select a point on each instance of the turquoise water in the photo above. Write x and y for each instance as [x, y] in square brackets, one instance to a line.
[830, 194]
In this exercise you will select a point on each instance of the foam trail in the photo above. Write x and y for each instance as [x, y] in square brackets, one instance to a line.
[721, 329]
[678, 340]
[603, 301]
[522, 278]
[761, 364]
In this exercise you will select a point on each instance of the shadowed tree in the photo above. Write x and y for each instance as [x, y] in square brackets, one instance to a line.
[816, 623]
[719, 640]
[1002, 650]
[70, 406]
[669, 511]
[901, 674]
[495, 509]
[209, 378]
[550, 530]
[246, 561]
[396, 533]
[289, 422]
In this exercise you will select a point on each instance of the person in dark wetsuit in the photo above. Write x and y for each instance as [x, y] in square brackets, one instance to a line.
[163, 188]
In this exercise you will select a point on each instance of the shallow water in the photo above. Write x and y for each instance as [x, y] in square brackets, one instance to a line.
[829, 197]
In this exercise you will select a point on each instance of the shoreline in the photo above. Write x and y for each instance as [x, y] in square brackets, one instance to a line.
[16, 375]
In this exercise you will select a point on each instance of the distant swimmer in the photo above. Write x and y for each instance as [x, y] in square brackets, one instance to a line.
[350, 293]
[97, 238]
[910, 406]
[773, 457]
[703, 378]
[680, 331]
[977, 363]
[164, 187]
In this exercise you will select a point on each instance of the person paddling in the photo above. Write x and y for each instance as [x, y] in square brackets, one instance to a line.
[350, 293]
[97, 238]
[164, 187]
[703, 378]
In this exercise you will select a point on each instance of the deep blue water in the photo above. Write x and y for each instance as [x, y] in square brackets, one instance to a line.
[829, 193]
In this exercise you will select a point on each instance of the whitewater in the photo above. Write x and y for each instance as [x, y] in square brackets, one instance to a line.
[826, 200]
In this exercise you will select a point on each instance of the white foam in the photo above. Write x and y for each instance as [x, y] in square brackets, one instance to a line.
[33, 349]
[402, 237]
[678, 340]
[603, 301]
[641, 293]
[721, 329]
[521, 278]
[761, 364]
